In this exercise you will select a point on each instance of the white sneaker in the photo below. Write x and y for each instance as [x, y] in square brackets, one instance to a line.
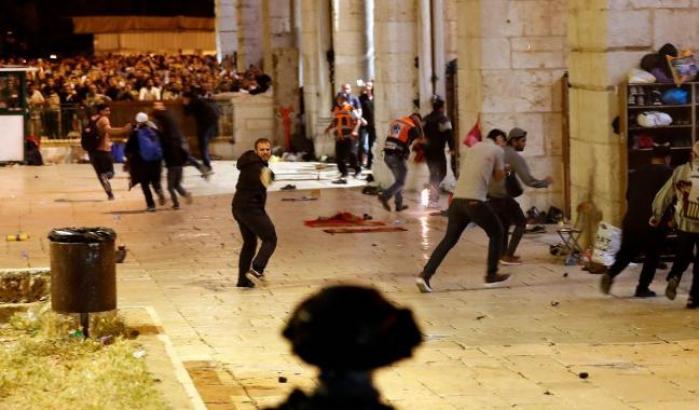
[423, 285]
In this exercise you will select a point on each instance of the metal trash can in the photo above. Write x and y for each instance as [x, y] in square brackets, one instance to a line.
[83, 270]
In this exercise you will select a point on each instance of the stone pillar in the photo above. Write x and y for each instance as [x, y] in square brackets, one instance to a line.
[349, 43]
[283, 58]
[250, 38]
[606, 39]
[266, 35]
[511, 61]
[439, 29]
[450, 24]
[396, 87]
[226, 28]
[425, 54]
[370, 56]
[315, 40]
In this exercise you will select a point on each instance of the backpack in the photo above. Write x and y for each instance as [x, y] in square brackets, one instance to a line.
[512, 185]
[90, 137]
[148, 144]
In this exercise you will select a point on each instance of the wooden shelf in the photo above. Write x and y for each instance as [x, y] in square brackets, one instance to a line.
[636, 128]
[682, 135]
[648, 107]
[651, 149]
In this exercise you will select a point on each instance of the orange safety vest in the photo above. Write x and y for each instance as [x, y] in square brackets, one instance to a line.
[343, 120]
[399, 133]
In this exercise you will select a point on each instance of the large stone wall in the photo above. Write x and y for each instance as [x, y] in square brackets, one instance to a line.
[511, 61]
[606, 39]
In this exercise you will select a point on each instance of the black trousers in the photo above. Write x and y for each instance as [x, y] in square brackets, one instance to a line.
[438, 171]
[253, 224]
[634, 240]
[461, 213]
[174, 184]
[204, 136]
[151, 177]
[510, 213]
[687, 243]
[346, 150]
[103, 165]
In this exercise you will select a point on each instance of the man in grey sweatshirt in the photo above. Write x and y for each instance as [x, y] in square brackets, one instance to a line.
[504, 204]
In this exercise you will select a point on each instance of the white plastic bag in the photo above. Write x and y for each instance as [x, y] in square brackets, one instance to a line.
[637, 76]
[607, 244]
[650, 119]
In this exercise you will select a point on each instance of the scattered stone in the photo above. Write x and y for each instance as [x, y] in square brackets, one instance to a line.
[139, 354]
[481, 317]
[583, 375]
[107, 340]
[554, 303]
[282, 379]
[565, 275]
[548, 393]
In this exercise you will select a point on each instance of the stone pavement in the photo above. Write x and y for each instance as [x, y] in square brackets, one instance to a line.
[523, 346]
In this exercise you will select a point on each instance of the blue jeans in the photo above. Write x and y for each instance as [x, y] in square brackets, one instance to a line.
[396, 163]
[203, 137]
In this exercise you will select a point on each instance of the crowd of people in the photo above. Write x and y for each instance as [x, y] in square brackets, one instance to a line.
[59, 87]
[144, 77]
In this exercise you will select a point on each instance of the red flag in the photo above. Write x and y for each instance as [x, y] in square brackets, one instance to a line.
[474, 135]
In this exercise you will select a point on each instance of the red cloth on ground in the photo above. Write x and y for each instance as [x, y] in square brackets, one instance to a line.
[365, 230]
[341, 219]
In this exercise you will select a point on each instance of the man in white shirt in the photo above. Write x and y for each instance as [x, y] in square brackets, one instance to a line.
[484, 162]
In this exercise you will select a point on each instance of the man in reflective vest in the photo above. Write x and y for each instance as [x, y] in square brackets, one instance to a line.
[402, 133]
[345, 126]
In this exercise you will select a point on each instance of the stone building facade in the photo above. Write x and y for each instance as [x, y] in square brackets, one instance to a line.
[512, 58]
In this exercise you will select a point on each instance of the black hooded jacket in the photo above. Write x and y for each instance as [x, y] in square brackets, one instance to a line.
[250, 193]
[173, 142]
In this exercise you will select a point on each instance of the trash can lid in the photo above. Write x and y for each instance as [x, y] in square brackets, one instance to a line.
[74, 234]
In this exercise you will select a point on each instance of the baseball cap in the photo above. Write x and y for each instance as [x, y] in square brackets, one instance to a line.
[516, 133]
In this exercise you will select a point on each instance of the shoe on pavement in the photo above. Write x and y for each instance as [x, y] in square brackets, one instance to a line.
[176, 207]
[671, 289]
[110, 196]
[150, 209]
[511, 260]
[605, 283]
[256, 277]
[246, 284]
[384, 203]
[692, 304]
[644, 293]
[340, 181]
[401, 208]
[423, 284]
[496, 279]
